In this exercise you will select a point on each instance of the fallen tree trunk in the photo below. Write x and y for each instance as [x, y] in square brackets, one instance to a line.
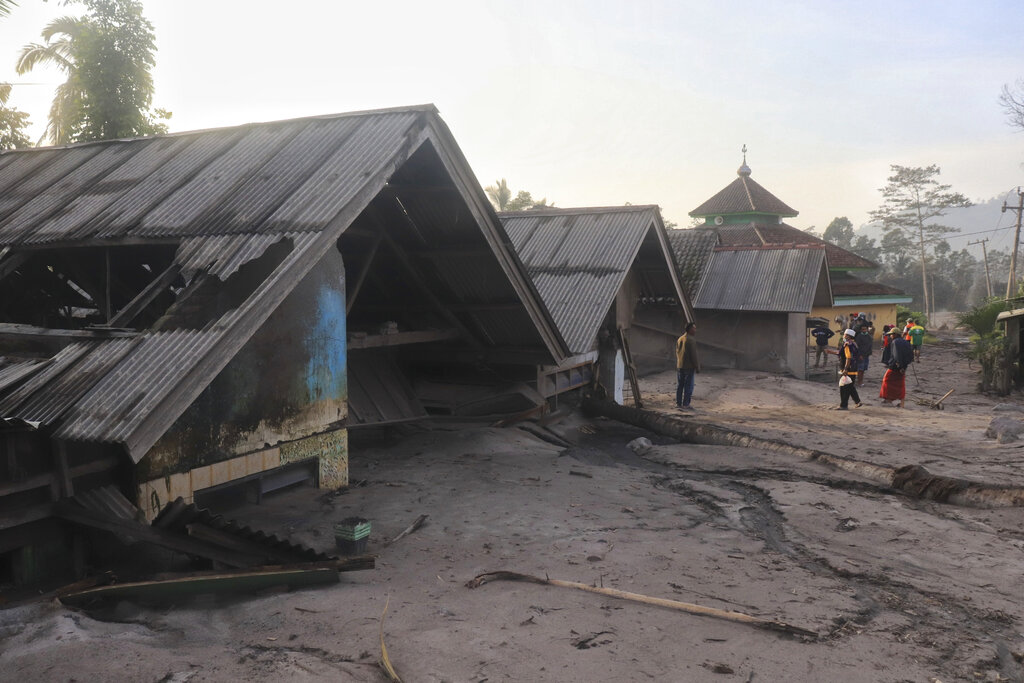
[912, 480]
[687, 607]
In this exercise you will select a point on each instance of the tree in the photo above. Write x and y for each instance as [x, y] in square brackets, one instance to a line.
[523, 201]
[839, 232]
[12, 122]
[107, 57]
[1012, 102]
[865, 247]
[499, 194]
[6, 6]
[912, 200]
[57, 50]
[502, 199]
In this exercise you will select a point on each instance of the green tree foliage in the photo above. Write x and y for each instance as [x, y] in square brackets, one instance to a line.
[839, 232]
[912, 201]
[107, 57]
[982, 318]
[865, 247]
[6, 6]
[502, 199]
[12, 122]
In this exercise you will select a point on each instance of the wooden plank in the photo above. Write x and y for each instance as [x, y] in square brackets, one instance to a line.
[11, 262]
[17, 331]
[60, 459]
[145, 297]
[353, 293]
[401, 338]
[26, 515]
[175, 589]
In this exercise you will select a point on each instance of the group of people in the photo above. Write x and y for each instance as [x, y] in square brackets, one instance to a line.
[900, 348]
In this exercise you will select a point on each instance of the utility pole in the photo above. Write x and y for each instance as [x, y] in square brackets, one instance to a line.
[984, 255]
[1011, 285]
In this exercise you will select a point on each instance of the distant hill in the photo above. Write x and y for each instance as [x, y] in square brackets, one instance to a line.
[981, 216]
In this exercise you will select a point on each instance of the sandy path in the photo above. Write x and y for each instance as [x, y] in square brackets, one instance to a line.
[899, 589]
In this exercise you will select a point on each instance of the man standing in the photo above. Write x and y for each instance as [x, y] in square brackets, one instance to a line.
[687, 365]
[848, 372]
[821, 335]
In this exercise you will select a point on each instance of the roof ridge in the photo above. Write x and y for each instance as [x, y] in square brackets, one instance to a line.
[628, 208]
[425, 108]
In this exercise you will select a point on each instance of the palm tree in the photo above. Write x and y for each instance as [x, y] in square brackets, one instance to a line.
[58, 50]
[6, 6]
[500, 194]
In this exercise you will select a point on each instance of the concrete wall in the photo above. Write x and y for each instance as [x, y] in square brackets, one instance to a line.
[750, 340]
[286, 387]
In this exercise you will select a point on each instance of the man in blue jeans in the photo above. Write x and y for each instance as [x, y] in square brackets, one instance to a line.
[687, 365]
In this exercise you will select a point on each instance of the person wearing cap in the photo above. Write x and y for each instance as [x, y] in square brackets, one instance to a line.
[848, 371]
[916, 336]
[897, 355]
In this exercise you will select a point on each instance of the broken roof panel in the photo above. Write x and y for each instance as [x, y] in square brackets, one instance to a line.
[761, 279]
[303, 180]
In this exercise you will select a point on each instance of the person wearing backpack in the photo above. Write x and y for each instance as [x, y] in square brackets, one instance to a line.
[897, 356]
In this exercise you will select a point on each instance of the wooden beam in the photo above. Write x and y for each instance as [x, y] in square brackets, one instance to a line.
[145, 297]
[422, 286]
[25, 515]
[363, 273]
[47, 479]
[509, 355]
[11, 262]
[60, 459]
[402, 338]
[18, 332]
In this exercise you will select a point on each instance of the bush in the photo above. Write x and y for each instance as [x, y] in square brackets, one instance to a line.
[992, 351]
[902, 313]
[982, 318]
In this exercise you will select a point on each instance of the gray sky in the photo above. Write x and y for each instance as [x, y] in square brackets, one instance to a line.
[600, 103]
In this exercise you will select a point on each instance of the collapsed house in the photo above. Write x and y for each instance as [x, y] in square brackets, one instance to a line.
[195, 311]
[759, 284]
[608, 278]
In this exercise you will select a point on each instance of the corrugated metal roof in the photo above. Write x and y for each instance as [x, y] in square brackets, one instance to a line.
[782, 280]
[275, 177]
[226, 196]
[578, 259]
[13, 370]
[692, 249]
[779, 234]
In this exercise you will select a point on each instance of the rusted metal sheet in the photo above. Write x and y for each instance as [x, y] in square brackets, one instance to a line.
[578, 259]
[782, 280]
